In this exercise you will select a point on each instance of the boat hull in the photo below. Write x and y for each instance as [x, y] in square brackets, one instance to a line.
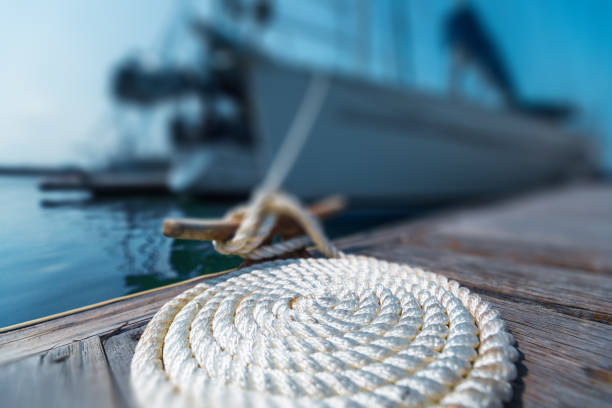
[374, 142]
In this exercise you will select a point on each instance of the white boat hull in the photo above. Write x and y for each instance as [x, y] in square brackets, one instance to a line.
[372, 142]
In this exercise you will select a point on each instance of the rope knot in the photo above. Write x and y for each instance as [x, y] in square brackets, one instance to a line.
[258, 220]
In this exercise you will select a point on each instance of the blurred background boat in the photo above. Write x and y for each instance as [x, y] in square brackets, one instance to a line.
[375, 140]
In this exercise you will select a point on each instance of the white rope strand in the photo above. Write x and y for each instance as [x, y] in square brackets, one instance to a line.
[260, 215]
[293, 143]
[344, 332]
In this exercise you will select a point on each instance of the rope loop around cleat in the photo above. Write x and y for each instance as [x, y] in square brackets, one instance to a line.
[258, 219]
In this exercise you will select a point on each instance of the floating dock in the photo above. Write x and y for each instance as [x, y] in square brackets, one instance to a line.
[543, 260]
[124, 183]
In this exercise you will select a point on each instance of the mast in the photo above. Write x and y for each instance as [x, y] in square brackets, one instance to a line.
[401, 40]
[363, 34]
[409, 62]
[396, 35]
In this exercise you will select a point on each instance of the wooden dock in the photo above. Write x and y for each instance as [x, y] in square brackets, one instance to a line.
[544, 260]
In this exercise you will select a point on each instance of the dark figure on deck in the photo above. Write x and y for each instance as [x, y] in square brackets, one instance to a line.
[472, 45]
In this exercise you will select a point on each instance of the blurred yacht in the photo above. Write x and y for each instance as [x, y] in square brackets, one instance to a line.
[373, 140]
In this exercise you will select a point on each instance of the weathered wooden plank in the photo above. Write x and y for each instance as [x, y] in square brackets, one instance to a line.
[571, 228]
[74, 375]
[513, 250]
[119, 349]
[100, 321]
[566, 361]
[579, 219]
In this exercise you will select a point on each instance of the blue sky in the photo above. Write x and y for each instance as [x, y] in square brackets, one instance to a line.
[55, 61]
[56, 58]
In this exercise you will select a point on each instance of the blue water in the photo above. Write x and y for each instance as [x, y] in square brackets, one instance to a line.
[62, 251]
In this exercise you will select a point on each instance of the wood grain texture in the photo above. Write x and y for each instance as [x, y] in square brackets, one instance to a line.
[119, 350]
[565, 360]
[543, 260]
[516, 251]
[74, 375]
[101, 321]
[577, 221]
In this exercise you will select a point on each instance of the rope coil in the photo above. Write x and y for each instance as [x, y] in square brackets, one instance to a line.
[352, 331]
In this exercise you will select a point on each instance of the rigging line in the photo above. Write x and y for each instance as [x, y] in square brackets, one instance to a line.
[302, 124]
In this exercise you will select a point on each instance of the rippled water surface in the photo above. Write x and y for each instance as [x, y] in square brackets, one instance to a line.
[62, 251]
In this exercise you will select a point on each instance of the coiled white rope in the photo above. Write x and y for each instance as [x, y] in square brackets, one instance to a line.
[342, 332]
[351, 331]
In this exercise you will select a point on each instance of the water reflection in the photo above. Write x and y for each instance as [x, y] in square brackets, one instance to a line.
[64, 251]
[132, 235]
